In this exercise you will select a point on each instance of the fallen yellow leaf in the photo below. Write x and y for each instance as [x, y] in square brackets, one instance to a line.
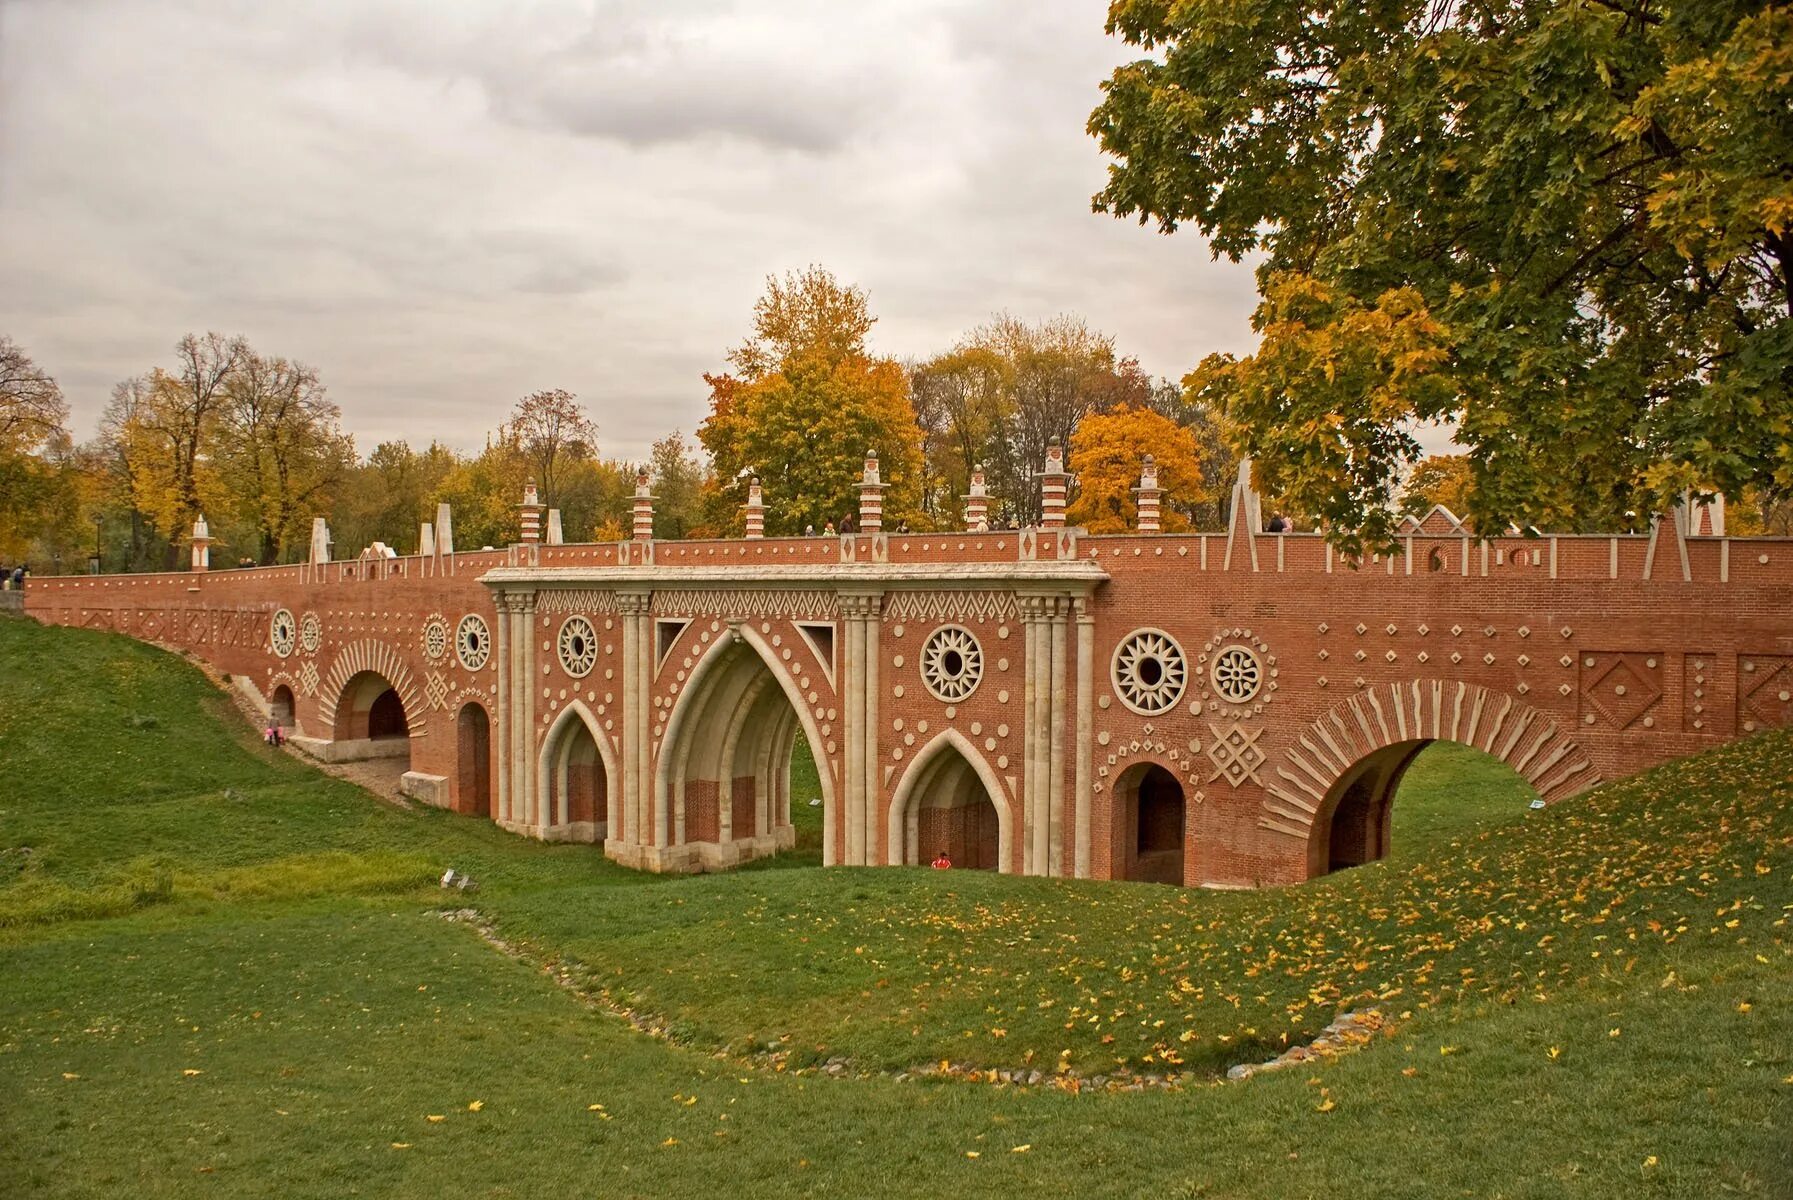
[973, 1154]
[435, 1118]
[476, 1105]
[189, 1072]
[401, 1145]
[1023, 1148]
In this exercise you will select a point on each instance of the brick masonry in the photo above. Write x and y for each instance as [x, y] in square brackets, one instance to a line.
[1262, 671]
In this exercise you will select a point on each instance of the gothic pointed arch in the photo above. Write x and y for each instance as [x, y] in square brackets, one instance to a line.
[928, 769]
[558, 791]
[723, 716]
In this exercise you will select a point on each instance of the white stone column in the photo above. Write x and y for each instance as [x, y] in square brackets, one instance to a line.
[1086, 649]
[858, 793]
[516, 708]
[1036, 787]
[637, 782]
[1056, 724]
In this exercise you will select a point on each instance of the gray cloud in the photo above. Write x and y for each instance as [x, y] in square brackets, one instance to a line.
[444, 207]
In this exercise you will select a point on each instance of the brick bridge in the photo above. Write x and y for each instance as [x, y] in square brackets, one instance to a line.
[1220, 709]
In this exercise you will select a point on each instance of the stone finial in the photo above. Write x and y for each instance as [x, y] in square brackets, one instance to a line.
[555, 537]
[871, 496]
[1705, 514]
[202, 545]
[1147, 495]
[977, 502]
[1053, 485]
[320, 540]
[756, 509]
[531, 510]
[444, 529]
[426, 540]
[644, 508]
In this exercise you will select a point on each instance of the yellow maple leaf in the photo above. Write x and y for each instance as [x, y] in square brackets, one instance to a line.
[476, 1105]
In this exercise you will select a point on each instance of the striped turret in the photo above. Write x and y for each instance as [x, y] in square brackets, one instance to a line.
[871, 496]
[977, 502]
[756, 509]
[1148, 493]
[530, 514]
[644, 508]
[1053, 481]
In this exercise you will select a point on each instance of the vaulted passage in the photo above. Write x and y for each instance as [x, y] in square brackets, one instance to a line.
[370, 710]
[577, 792]
[723, 780]
[944, 805]
[282, 711]
[1149, 825]
[473, 761]
[1460, 788]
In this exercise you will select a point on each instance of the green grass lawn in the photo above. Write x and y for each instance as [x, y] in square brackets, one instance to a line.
[224, 975]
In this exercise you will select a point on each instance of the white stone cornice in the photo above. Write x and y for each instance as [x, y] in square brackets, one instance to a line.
[847, 577]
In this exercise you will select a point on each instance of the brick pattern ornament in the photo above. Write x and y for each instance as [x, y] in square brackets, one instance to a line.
[952, 663]
[311, 633]
[577, 646]
[283, 633]
[1236, 674]
[435, 638]
[473, 642]
[1149, 672]
[1765, 691]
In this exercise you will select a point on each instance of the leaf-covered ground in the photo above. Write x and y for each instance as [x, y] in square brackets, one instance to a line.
[224, 975]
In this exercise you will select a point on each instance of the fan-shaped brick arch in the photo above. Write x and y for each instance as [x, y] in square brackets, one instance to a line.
[1525, 738]
[383, 660]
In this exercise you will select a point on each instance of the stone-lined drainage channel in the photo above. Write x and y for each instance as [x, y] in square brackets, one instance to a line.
[1348, 1032]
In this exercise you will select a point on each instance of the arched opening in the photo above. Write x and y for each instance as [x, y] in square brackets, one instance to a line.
[1150, 821]
[282, 710]
[473, 759]
[944, 806]
[577, 792]
[723, 786]
[1415, 798]
[370, 710]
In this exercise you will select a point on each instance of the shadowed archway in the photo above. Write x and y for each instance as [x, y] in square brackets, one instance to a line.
[1150, 821]
[722, 781]
[473, 761]
[575, 773]
[950, 800]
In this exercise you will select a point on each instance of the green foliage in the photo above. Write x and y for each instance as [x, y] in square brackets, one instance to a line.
[1583, 202]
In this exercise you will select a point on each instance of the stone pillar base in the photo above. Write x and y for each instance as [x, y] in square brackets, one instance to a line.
[694, 858]
[428, 789]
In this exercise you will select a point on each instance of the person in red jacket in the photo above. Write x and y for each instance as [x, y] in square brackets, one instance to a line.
[942, 862]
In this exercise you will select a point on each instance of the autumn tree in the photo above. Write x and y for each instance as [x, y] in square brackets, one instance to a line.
[172, 430]
[1436, 479]
[281, 454]
[550, 430]
[806, 401]
[678, 482]
[33, 449]
[1106, 454]
[1574, 212]
[1006, 390]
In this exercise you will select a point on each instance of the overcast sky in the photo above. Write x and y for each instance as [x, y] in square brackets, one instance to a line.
[444, 206]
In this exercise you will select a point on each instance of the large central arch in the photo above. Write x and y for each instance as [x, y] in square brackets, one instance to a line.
[721, 782]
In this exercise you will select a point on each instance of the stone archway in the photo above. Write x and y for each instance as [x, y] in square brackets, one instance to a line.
[473, 761]
[574, 783]
[1334, 792]
[1150, 825]
[949, 799]
[283, 709]
[721, 782]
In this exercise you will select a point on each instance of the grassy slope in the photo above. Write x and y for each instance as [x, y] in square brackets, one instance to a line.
[331, 1016]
